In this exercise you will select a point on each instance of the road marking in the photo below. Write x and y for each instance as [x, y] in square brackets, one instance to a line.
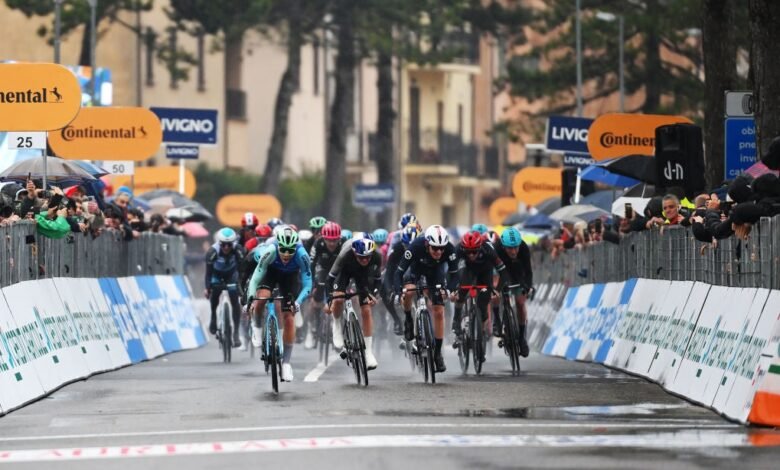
[304, 427]
[315, 373]
[677, 440]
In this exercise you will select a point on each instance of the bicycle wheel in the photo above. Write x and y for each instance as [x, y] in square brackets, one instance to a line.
[430, 345]
[477, 339]
[325, 340]
[512, 338]
[227, 334]
[273, 352]
[464, 347]
[360, 352]
[421, 341]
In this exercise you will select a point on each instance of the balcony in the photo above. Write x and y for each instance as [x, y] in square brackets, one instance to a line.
[432, 147]
[454, 47]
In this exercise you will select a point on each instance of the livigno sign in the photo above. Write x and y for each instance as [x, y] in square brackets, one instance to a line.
[109, 134]
[37, 97]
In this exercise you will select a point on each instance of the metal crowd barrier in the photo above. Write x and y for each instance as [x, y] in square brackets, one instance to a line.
[672, 254]
[26, 255]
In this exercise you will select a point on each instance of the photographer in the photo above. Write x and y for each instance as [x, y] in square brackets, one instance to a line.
[51, 223]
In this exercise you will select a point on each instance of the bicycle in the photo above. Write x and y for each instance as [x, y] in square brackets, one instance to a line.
[354, 351]
[424, 343]
[272, 349]
[225, 325]
[472, 341]
[511, 340]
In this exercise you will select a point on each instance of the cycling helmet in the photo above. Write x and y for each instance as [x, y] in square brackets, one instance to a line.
[274, 222]
[305, 235]
[331, 231]
[406, 219]
[363, 246]
[436, 235]
[317, 222]
[359, 235]
[380, 236]
[481, 228]
[471, 241]
[287, 238]
[491, 236]
[409, 233]
[263, 231]
[249, 220]
[226, 235]
[346, 234]
[511, 238]
[279, 228]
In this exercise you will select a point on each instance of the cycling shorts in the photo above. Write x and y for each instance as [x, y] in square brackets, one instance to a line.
[287, 282]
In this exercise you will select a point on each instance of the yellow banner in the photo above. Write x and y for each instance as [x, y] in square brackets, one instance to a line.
[502, 208]
[231, 208]
[533, 185]
[149, 178]
[37, 97]
[617, 135]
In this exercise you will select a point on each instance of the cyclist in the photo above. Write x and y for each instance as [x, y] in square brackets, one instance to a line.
[346, 234]
[516, 256]
[323, 254]
[481, 228]
[222, 264]
[274, 221]
[262, 233]
[315, 225]
[428, 257]
[358, 261]
[380, 238]
[394, 257]
[405, 220]
[280, 263]
[248, 223]
[479, 259]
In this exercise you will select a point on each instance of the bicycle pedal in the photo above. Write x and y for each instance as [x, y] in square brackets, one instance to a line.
[501, 343]
[343, 354]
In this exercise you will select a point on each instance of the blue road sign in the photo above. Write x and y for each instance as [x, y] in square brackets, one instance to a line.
[740, 146]
[567, 134]
[373, 195]
[188, 126]
[186, 152]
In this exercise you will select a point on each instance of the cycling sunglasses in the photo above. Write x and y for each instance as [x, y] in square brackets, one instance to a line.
[437, 248]
[287, 251]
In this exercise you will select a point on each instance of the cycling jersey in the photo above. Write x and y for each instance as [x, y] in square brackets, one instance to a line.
[417, 261]
[271, 270]
[221, 267]
[322, 259]
[486, 260]
[346, 268]
[518, 269]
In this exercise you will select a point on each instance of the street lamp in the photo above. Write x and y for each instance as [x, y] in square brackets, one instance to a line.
[610, 17]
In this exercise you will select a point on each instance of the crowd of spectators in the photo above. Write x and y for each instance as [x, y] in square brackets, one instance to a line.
[730, 210]
[72, 212]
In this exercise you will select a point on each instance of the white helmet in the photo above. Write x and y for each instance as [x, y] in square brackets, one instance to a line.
[279, 229]
[436, 235]
[305, 234]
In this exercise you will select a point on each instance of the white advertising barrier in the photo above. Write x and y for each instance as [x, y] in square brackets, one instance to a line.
[743, 361]
[675, 338]
[109, 295]
[604, 319]
[61, 359]
[179, 300]
[765, 405]
[568, 321]
[75, 301]
[722, 317]
[20, 345]
[647, 294]
[657, 325]
[112, 340]
[143, 317]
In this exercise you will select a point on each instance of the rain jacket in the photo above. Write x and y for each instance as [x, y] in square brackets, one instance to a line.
[56, 228]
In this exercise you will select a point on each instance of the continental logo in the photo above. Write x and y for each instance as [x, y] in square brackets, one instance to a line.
[533, 185]
[609, 140]
[529, 186]
[31, 96]
[71, 133]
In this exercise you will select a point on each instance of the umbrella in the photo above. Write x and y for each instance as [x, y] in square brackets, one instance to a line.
[91, 168]
[578, 212]
[640, 190]
[62, 173]
[194, 230]
[602, 175]
[161, 200]
[637, 203]
[540, 220]
[639, 167]
[516, 218]
[549, 205]
[601, 199]
[759, 169]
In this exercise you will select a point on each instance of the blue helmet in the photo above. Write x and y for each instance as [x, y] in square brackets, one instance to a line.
[380, 235]
[481, 228]
[511, 238]
[409, 233]
[406, 219]
[346, 234]
[363, 246]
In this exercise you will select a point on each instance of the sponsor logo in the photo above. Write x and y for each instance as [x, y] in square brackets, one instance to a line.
[408, 254]
[71, 133]
[673, 172]
[609, 139]
[42, 95]
[201, 126]
[532, 186]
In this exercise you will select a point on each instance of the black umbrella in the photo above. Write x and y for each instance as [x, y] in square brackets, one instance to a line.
[516, 218]
[60, 172]
[640, 190]
[639, 167]
[162, 200]
[549, 205]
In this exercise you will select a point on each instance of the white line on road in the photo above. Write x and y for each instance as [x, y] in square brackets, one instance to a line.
[315, 373]
[677, 440]
[304, 427]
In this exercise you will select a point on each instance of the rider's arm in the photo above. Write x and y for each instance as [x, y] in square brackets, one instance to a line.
[500, 267]
[392, 265]
[304, 263]
[265, 255]
[525, 260]
[211, 255]
[403, 265]
[453, 263]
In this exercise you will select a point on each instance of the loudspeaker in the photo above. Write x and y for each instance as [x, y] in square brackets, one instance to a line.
[679, 158]
[569, 184]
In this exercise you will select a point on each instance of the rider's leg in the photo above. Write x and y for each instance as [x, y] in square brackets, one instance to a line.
[257, 316]
[214, 301]
[236, 306]
[288, 336]
[387, 300]
[368, 328]
[497, 328]
[407, 304]
[522, 317]
[336, 309]
[368, 319]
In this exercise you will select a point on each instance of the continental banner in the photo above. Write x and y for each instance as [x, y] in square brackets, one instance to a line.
[617, 135]
[37, 97]
[533, 185]
[232, 207]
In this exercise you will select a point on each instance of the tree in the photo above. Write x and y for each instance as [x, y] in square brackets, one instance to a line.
[765, 69]
[75, 14]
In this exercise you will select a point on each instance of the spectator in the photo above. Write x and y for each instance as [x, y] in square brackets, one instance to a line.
[75, 218]
[51, 222]
[114, 220]
[671, 206]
